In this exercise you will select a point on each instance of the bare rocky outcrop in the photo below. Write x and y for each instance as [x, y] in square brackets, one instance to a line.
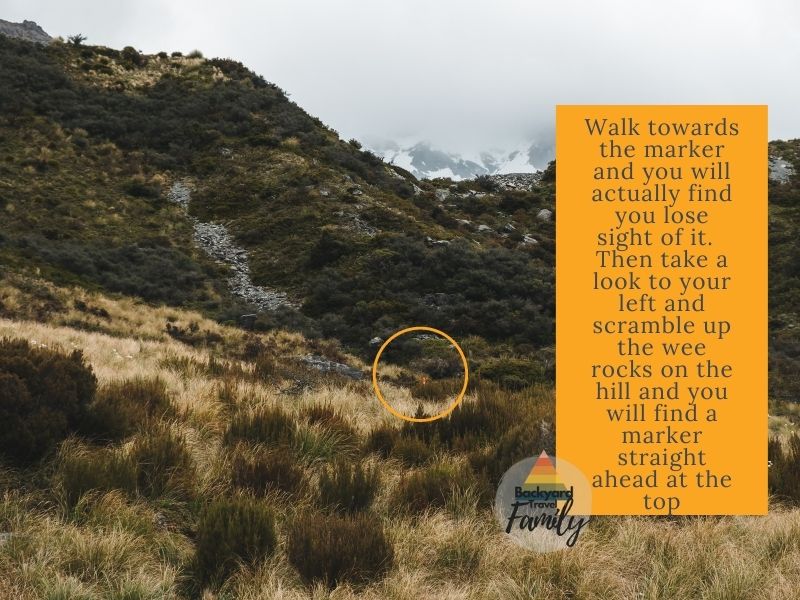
[780, 170]
[517, 181]
[328, 366]
[27, 30]
[354, 222]
[214, 240]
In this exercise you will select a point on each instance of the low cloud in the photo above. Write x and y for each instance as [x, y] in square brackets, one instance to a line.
[465, 74]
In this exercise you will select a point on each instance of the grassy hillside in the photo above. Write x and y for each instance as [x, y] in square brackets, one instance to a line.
[92, 137]
[177, 455]
[784, 281]
[132, 512]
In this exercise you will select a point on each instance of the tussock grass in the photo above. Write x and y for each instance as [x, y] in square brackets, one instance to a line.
[122, 519]
[260, 470]
[348, 488]
[230, 531]
[332, 549]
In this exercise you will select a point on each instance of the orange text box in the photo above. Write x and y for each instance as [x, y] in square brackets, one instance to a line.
[661, 322]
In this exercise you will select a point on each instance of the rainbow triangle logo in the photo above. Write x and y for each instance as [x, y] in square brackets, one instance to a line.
[543, 475]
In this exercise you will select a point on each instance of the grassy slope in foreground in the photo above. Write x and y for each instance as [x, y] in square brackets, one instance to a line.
[118, 540]
[91, 139]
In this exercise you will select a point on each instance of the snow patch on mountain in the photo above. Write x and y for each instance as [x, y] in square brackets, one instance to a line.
[426, 161]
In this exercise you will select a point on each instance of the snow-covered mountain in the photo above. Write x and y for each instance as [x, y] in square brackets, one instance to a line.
[427, 162]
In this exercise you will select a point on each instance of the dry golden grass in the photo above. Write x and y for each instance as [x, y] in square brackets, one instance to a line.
[113, 545]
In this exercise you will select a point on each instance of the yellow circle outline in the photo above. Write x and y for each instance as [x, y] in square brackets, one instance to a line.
[388, 406]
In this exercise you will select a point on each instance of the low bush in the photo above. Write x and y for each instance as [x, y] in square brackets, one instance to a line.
[192, 335]
[784, 472]
[514, 373]
[154, 465]
[231, 531]
[80, 470]
[473, 281]
[348, 488]
[156, 274]
[163, 463]
[486, 183]
[412, 451]
[429, 488]
[382, 440]
[270, 426]
[517, 443]
[121, 407]
[334, 549]
[259, 471]
[474, 424]
[131, 57]
[437, 390]
[139, 187]
[44, 396]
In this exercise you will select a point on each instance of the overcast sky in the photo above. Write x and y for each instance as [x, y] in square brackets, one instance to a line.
[468, 74]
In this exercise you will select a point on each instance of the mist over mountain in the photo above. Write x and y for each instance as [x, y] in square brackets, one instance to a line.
[426, 160]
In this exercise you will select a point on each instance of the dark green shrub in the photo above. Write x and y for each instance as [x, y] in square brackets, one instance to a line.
[264, 425]
[328, 249]
[549, 174]
[511, 203]
[259, 471]
[381, 440]
[486, 183]
[513, 373]
[474, 282]
[333, 549]
[784, 472]
[121, 407]
[348, 488]
[44, 395]
[131, 57]
[157, 274]
[231, 531]
[139, 187]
